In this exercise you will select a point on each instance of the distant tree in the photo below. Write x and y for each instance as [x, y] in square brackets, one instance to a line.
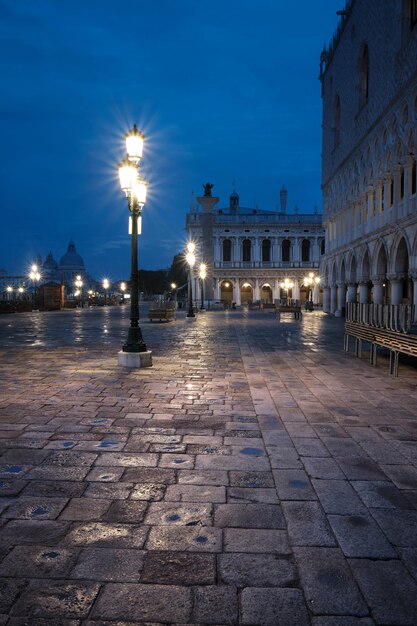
[153, 282]
[178, 271]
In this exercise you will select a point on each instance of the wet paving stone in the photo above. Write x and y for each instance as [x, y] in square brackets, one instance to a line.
[179, 568]
[262, 476]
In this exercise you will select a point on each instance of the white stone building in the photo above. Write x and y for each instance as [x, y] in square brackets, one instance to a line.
[369, 178]
[249, 252]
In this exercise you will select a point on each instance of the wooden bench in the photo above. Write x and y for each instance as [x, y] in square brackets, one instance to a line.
[288, 309]
[397, 343]
[162, 313]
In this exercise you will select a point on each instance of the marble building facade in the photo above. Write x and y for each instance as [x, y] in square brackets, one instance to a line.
[369, 177]
[249, 252]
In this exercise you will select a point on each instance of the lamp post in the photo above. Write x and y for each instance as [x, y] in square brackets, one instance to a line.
[9, 292]
[21, 291]
[134, 189]
[106, 285]
[310, 281]
[174, 291]
[202, 273]
[79, 284]
[35, 277]
[190, 258]
[286, 284]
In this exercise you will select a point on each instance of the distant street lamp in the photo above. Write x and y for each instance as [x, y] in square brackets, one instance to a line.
[106, 285]
[79, 284]
[286, 284]
[202, 270]
[21, 291]
[9, 292]
[35, 277]
[190, 258]
[134, 189]
[174, 291]
[311, 281]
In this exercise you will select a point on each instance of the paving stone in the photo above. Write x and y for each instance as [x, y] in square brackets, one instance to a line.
[166, 603]
[11, 487]
[105, 474]
[274, 607]
[307, 524]
[360, 468]
[293, 485]
[10, 589]
[381, 494]
[252, 479]
[183, 514]
[52, 472]
[84, 509]
[56, 599]
[109, 564]
[35, 508]
[38, 562]
[308, 446]
[338, 497]
[108, 535]
[43, 532]
[256, 540]
[177, 461]
[403, 476]
[149, 475]
[359, 536]
[193, 477]
[282, 457]
[256, 570]
[399, 525]
[22, 621]
[323, 468]
[70, 458]
[389, 590]
[180, 568]
[120, 459]
[125, 511]
[342, 621]
[216, 605]
[248, 516]
[328, 584]
[233, 462]
[113, 491]
[54, 489]
[184, 538]
[409, 557]
[193, 493]
[239, 494]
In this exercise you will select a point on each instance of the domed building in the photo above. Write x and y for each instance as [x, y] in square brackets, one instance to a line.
[70, 265]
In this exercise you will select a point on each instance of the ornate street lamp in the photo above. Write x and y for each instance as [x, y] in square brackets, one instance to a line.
[134, 189]
[190, 258]
[9, 290]
[286, 284]
[311, 281]
[106, 285]
[203, 274]
[35, 277]
[79, 284]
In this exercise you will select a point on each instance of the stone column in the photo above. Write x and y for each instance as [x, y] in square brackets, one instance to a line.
[341, 297]
[363, 293]
[217, 289]
[316, 294]
[276, 290]
[236, 293]
[296, 290]
[208, 203]
[351, 294]
[415, 296]
[333, 299]
[377, 291]
[326, 299]
[256, 293]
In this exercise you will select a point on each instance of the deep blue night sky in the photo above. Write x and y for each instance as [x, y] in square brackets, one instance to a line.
[223, 89]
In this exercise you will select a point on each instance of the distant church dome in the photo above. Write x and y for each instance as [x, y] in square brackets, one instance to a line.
[71, 261]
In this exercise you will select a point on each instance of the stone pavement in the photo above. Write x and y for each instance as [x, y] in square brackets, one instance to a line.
[255, 475]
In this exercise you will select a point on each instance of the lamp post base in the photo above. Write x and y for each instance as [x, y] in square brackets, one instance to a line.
[190, 318]
[134, 359]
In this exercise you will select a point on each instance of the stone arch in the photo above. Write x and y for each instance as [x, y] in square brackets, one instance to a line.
[267, 295]
[365, 265]
[400, 254]
[380, 259]
[226, 291]
[334, 273]
[342, 273]
[246, 292]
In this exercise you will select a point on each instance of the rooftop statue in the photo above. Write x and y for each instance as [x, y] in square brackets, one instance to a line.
[207, 189]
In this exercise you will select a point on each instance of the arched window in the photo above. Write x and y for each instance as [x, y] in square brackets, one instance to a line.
[413, 176]
[364, 76]
[286, 250]
[227, 251]
[322, 246]
[266, 251]
[246, 250]
[305, 251]
[336, 128]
